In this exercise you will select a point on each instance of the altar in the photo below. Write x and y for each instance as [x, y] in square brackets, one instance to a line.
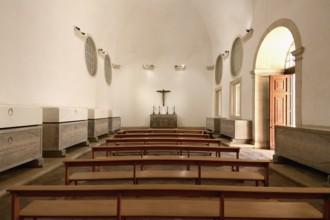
[163, 121]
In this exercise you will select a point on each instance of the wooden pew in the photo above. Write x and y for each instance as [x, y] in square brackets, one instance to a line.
[169, 201]
[143, 149]
[169, 130]
[206, 141]
[135, 175]
[161, 135]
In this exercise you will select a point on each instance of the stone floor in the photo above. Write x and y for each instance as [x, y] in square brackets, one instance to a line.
[289, 174]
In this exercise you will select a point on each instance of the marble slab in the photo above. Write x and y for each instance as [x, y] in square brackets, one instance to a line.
[97, 113]
[114, 113]
[18, 116]
[307, 146]
[64, 114]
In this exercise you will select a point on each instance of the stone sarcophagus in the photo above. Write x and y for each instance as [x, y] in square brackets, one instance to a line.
[213, 124]
[305, 145]
[98, 123]
[114, 121]
[240, 131]
[63, 128]
[20, 136]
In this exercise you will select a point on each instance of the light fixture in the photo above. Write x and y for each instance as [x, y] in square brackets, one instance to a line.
[248, 35]
[79, 33]
[181, 67]
[210, 67]
[148, 66]
[115, 66]
[101, 52]
[225, 54]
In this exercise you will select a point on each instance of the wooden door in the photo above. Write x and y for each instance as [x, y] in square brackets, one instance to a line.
[280, 104]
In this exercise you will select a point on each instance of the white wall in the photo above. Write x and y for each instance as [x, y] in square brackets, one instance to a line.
[43, 63]
[42, 60]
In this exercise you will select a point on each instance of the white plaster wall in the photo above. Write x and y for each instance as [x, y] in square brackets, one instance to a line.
[42, 60]
[43, 63]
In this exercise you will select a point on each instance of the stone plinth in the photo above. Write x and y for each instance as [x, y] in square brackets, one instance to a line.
[308, 146]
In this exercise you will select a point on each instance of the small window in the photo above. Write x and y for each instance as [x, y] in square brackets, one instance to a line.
[290, 59]
[236, 90]
[218, 99]
[90, 56]
[107, 69]
[218, 70]
[236, 58]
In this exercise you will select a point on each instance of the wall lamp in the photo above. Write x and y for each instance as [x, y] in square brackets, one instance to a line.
[115, 66]
[102, 52]
[148, 66]
[248, 35]
[210, 67]
[79, 33]
[225, 54]
[181, 67]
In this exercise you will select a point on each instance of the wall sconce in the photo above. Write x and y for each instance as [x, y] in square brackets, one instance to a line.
[225, 54]
[148, 66]
[248, 35]
[210, 67]
[79, 33]
[101, 52]
[181, 67]
[115, 66]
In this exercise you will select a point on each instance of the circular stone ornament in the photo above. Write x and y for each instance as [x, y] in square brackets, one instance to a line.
[236, 58]
[90, 56]
[218, 69]
[107, 69]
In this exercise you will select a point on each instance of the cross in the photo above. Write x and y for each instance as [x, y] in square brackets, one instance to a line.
[163, 94]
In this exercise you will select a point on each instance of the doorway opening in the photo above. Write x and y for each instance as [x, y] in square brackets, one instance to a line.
[277, 82]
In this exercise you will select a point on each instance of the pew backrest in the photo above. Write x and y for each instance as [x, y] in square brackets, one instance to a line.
[164, 140]
[143, 149]
[220, 200]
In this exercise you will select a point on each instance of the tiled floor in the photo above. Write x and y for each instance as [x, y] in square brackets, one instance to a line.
[53, 173]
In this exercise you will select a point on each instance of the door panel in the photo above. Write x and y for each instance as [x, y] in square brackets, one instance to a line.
[280, 104]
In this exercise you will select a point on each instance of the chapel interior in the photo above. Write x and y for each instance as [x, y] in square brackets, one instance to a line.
[253, 74]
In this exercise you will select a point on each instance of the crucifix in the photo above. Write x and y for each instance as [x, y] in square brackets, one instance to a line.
[163, 94]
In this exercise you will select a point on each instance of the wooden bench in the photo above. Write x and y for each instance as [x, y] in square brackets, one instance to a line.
[161, 135]
[169, 201]
[144, 149]
[197, 174]
[150, 130]
[155, 140]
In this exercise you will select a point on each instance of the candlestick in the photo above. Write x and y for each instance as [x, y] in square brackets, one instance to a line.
[167, 110]
[173, 110]
[158, 110]
[153, 110]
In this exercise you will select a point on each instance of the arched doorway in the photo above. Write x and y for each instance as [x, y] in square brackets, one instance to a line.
[269, 62]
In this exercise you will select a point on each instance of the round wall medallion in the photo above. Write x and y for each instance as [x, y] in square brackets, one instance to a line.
[218, 70]
[107, 69]
[236, 58]
[90, 56]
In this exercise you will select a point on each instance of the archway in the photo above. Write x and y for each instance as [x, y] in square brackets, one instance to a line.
[269, 60]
